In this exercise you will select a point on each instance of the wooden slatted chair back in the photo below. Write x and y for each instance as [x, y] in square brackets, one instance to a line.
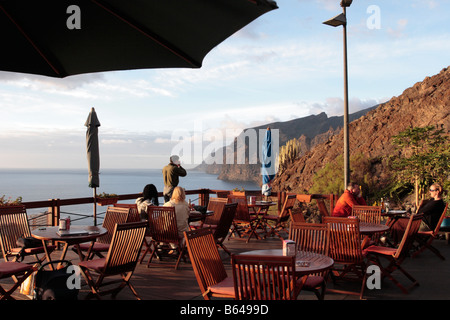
[297, 215]
[311, 237]
[125, 247]
[288, 205]
[242, 212]
[134, 215]
[113, 216]
[205, 259]
[371, 214]
[226, 219]
[408, 237]
[345, 240]
[264, 277]
[162, 223]
[441, 219]
[13, 225]
[216, 205]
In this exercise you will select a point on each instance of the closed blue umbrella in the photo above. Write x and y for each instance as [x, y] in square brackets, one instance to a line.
[267, 164]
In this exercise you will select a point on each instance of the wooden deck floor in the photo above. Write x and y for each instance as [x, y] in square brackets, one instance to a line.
[162, 282]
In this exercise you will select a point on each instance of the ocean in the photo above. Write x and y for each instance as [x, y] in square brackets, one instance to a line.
[44, 184]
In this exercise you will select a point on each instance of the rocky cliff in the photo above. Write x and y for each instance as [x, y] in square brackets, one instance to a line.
[425, 103]
[310, 131]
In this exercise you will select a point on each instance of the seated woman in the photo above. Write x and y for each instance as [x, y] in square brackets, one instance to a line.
[432, 210]
[182, 210]
[352, 196]
[149, 198]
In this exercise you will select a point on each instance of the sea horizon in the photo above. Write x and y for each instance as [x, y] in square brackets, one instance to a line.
[34, 184]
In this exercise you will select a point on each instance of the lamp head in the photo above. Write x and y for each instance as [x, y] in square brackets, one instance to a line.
[339, 20]
[346, 3]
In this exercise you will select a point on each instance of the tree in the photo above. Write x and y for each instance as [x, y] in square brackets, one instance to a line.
[423, 158]
[329, 179]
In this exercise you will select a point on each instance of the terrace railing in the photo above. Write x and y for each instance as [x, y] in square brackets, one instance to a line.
[55, 208]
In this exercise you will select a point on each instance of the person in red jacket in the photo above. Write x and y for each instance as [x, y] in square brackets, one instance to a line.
[351, 196]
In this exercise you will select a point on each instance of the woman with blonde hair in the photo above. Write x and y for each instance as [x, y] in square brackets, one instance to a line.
[178, 200]
[431, 209]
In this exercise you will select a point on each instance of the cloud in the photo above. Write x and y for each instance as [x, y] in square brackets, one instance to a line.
[116, 141]
[399, 31]
[36, 82]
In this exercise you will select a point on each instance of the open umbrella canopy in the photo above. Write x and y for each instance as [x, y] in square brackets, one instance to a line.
[59, 38]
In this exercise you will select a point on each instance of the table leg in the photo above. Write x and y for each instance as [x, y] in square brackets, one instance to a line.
[47, 253]
[88, 254]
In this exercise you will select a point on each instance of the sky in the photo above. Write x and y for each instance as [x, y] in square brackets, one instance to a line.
[284, 65]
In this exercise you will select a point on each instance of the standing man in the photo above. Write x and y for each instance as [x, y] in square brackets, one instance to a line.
[171, 174]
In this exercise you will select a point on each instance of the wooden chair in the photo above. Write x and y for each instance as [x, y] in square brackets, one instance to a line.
[312, 237]
[14, 225]
[17, 270]
[243, 222]
[371, 214]
[216, 205]
[345, 249]
[396, 256]
[162, 223]
[297, 215]
[113, 216]
[425, 238]
[282, 218]
[264, 277]
[134, 215]
[121, 260]
[209, 270]
[223, 226]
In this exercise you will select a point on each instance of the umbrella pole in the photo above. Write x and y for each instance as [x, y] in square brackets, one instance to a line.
[95, 206]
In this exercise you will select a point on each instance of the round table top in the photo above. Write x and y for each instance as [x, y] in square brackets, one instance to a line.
[306, 262]
[369, 228]
[261, 203]
[195, 215]
[78, 233]
[391, 213]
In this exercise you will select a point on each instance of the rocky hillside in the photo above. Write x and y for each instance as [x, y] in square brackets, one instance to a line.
[310, 131]
[425, 103]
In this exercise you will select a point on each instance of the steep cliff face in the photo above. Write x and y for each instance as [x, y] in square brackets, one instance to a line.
[425, 103]
[310, 131]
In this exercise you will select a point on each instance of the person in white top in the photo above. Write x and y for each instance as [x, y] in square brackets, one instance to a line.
[178, 200]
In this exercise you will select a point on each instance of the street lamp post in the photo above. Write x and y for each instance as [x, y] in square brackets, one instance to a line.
[341, 20]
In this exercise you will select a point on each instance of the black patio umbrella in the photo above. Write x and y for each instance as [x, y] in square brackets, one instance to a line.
[93, 155]
[59, 38]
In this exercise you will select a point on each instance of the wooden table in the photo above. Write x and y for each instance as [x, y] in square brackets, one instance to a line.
[195, 215]
[369, 229]
[306, 262]
[393, 213]
[87, 233]
[260, 207]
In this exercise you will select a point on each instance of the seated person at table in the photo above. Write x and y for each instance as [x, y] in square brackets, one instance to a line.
[149, 198]
[182, 210]
[432, 210]
[352, 196]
